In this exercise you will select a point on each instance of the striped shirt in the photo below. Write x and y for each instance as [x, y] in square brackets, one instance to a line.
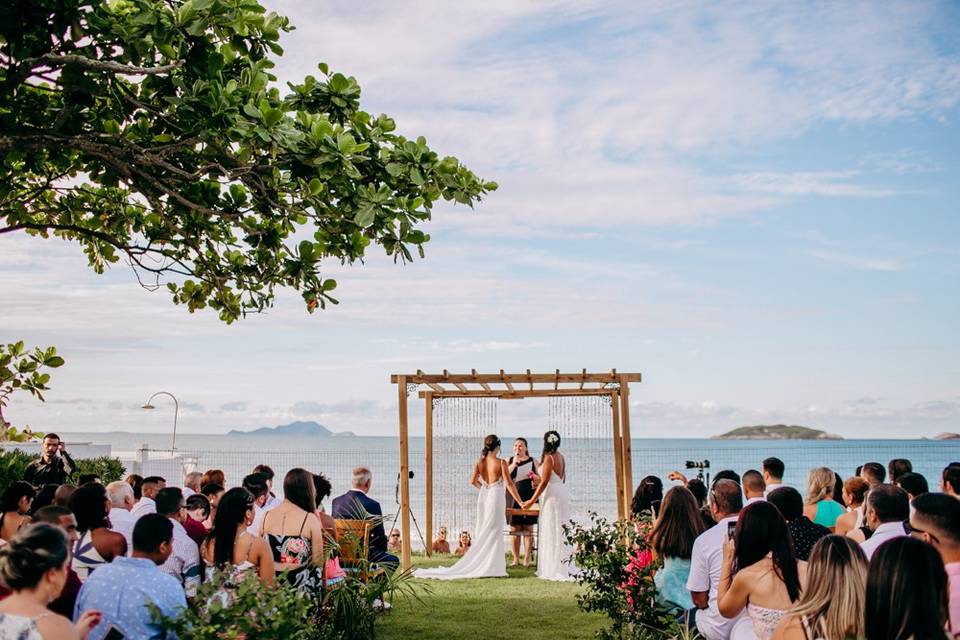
[184, 561]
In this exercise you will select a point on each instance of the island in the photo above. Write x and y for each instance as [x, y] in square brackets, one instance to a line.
[777, 432]
[299, 428]
[947, 436]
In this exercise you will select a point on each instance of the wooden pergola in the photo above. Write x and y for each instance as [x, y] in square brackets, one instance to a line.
[509, 386]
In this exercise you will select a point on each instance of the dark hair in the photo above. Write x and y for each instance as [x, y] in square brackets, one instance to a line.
[699, 490]
[44, 497]
[84, 478]
[951, 476]
[169, 500]
[788, 501]
[648, 496]
[298, 489]
[10, 500]
[726, 496]
[913, 483]
[774, 466]
[875, 470]
[213, 476]
[753, 480]
[61, 496]
[906, 592]
[548, 446]
[889, 502]
[150, 531]
[231, 512]
[31, 553]
[838, 489]
[490, 444]
[321, 487]
[89, 504]
[524, 441]
[942, 511]
[761, 529]
[264, 470]
[211, 489]
[135, 481]
[51, 514]
[199, 501]
[51, 436]
[897, 467]
[256, 483]
[726, 474]
[678, 524]
[153, 480]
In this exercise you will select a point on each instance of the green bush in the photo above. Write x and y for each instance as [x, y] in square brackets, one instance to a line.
[109, 469]
[13, 464]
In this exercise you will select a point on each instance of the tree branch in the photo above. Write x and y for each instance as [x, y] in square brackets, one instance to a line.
[54, 60]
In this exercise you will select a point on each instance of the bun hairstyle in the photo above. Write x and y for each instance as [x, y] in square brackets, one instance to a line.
[551, 442]
[490, 443]
[30, 554]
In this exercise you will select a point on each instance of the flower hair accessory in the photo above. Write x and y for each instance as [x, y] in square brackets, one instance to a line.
[553, 438]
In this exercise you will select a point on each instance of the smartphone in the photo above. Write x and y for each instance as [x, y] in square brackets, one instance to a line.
[731, 529]
[113, 634]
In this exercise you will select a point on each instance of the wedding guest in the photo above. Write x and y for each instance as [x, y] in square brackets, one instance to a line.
[897, 467]
[950, 480]
[773, 470]
[699, 491]
[759, 571]
[15, 504]
[803, 533]
[212, 493]
[873, 473]
[34, 566]
[121, 499]
[726, 474]
[671, 538]
[706, 560]
[44, 498]
[854, 493]
[832, 603]
[914, 484]
[887, 511]
[128, 590]
[191, 483]
[63, 518]
[213, 476]
[936, 520]
[838, 491]
[97, 545]
[356, 504]
[267, 472]
[440, 543]
[294, 534]
[231, 545]
[54, 466]
[198, 510]
[463, 543]
[256, 484]
[906, 592]
[135, 481]
[820, 507]
[149, 488]
[62, 496]
[333, 572]
[754, 488]
[647, 497]
[394, 543]
[84, 478]
[183, 563]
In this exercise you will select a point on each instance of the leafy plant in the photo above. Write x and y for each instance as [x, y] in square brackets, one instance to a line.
[21, 370]
[109, 469]
[13, 464]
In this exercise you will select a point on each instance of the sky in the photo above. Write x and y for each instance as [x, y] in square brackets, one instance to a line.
[752, 204]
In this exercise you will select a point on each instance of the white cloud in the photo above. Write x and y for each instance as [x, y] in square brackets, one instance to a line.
[860, 263]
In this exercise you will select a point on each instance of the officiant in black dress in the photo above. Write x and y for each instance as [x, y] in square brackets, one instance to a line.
[525, 474]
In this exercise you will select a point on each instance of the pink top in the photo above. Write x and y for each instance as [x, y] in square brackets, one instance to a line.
[333, 570]
[953, 575]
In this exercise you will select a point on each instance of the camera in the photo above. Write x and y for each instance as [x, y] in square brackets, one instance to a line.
[698, 464]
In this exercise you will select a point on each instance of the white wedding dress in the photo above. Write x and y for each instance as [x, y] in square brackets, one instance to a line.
[486, 556]
[553, 553]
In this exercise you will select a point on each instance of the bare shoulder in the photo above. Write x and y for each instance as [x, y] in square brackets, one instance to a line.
[56, 626]
[788, 629]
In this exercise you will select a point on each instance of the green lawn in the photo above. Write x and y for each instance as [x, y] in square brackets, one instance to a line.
[520, 607]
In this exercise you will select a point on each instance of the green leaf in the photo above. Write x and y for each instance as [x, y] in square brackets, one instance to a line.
[315, 187]
[365, 216]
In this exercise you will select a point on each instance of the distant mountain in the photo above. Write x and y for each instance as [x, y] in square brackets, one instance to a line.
[947, 436]
[314, 429]
[777, 432]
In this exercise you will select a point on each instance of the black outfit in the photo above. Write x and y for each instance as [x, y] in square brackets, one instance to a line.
[524, 488]
[57, 471]
[805, 534]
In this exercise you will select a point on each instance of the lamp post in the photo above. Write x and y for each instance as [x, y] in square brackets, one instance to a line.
[176, 411]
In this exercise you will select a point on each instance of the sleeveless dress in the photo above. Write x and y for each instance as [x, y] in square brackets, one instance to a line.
[86, 558]
[525, 489]
[827, 513]
[14, 627]
[553, 554]
[671, 582]
[486, 556]
[297, 550]
[765, 620]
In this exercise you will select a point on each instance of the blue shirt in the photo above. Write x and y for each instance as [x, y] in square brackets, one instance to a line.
[121, 591]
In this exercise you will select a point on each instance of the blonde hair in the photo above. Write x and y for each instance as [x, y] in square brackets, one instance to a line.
[834, 601]
[820, 484]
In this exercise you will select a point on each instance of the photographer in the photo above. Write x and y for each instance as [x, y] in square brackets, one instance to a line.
[54, 466]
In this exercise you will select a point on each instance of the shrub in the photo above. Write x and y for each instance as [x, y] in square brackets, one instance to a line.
[109, 469]
[14, 462]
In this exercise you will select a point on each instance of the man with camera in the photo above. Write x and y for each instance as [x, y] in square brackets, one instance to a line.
[54, 466]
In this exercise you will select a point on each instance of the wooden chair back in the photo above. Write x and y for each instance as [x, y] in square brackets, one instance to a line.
[353, 537]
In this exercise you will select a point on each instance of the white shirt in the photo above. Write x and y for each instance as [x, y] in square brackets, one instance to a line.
[884, 532]
[122, 522]
[144, 506]
[187, 492]
[771, 487]
[184, 561]
[706, 562]
[752, 500]
[258, 512]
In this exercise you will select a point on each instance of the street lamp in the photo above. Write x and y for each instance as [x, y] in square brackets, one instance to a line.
[176, 411]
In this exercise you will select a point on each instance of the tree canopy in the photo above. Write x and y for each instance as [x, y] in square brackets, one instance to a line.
[153, 132]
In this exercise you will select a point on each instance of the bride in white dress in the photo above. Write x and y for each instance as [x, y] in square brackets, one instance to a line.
[486, 557]
[553, 554]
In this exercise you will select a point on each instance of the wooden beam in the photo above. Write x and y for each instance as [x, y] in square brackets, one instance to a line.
[459, 385]
[516, 393]
[627, 445]
[428, 472]
[556, 382]
[505, 381]
[617, 453]
[404, 474]
[583, 378]
[504, 378]
[530, 379]
[486, 387]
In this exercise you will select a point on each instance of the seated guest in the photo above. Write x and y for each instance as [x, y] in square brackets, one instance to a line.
[126, 590]
[63, 494]
[212, 492]
[773, 469]
[63, 518]
[706, 560]
[726, 474]
[332, 572]
[838, 491]
[854, 493]
[873, 473]
[135, 481]
[754, 488]
[15, 504]
[184, 560]
[256, 484]
[231, 546]
[906, 592]
[647, 497]
[267, 472]
[44, 498]
[294, 533]
[671, 538]
[192, 483]
[121, 499]
[198, 510]
[759, 570]
[832, 602]
[897, 467]
[820, 507]
[148, 493]
[950, 480]
[936, 520]
[914, 484]
[97, 545]
[34, 566]
[357, 505]
[440, 543]
[463, 543]
[804, 533]
[699, 491]
[394, 543]
[887, 511]
[213, 476]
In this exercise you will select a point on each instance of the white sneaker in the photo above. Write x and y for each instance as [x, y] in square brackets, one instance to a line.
[380, 604]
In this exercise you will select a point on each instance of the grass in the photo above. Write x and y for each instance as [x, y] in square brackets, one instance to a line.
[521, 607]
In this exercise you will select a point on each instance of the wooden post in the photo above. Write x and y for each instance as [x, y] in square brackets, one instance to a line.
[404, 473]
[627, 446]
[428, 472]
[617, 453]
